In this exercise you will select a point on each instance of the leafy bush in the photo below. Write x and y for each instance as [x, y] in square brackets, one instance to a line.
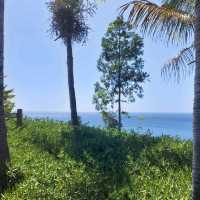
[86, 163]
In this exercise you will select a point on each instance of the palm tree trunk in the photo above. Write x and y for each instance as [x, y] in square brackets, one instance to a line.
[4, 151]
[72, 96]
[196, 115]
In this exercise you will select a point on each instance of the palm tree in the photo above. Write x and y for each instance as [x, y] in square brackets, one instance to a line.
[4, 151]
[69, 24]
[176, 21]
[172, 21]
[196, 114]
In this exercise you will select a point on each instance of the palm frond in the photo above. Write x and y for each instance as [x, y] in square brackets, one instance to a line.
[180, 66]
[163, 22]
[187, 6]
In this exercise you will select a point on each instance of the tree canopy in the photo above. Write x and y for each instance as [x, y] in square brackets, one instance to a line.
[121, 66]
[69, 19]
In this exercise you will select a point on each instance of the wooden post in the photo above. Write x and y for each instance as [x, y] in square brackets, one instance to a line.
[19, 116]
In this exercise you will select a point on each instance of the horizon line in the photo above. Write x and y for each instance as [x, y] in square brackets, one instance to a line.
[93, 112]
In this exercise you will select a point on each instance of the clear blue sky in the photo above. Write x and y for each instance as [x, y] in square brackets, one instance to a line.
[36, 65]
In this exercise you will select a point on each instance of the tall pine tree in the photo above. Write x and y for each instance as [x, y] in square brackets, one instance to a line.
[121, 65]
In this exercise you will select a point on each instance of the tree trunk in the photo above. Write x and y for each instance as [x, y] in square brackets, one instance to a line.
[119, 85]
[4, 151]
[196, 114]
[72, 96]
[119, 102]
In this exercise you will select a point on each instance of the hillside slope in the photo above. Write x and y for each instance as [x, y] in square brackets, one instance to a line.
[51, 161]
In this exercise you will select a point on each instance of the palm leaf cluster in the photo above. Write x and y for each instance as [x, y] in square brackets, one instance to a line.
[173, 21]
[68, 19]
[181, 65]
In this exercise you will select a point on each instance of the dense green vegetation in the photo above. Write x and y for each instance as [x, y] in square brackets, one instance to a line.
[50, 160]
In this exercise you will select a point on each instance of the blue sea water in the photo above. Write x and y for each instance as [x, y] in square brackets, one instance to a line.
[157, 123]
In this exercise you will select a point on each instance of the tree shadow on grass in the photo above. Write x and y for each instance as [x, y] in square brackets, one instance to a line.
[110, 150]
[166, 157]
[9, 178]
[106, 153]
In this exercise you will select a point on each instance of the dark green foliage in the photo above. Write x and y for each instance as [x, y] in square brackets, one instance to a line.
[60, 162]
[79, 121]
[121, 66]
[69, 19]
[8, 100]
[3, 175]
[109, 119]
[9, 177]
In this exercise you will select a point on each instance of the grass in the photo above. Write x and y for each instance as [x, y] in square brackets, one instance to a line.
[52, 161]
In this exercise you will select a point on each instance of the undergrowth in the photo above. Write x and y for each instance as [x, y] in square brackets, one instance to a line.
[59, 162]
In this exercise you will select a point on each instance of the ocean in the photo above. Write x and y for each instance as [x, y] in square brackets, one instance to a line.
[157, 124]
